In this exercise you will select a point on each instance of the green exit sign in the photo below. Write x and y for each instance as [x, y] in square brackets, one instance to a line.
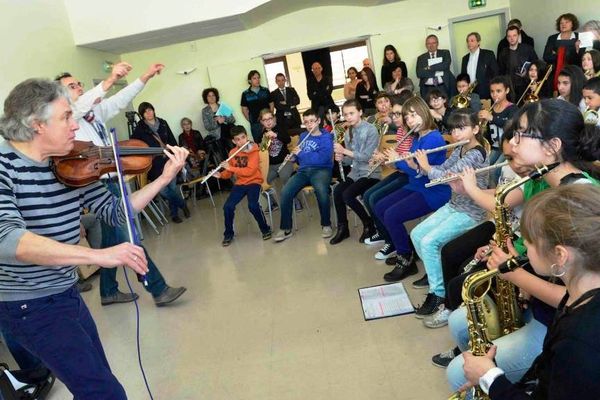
[476, 3]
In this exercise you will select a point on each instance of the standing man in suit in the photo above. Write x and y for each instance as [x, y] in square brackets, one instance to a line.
[480, 64]
[285, 100]
[319, 88]
[433, 68]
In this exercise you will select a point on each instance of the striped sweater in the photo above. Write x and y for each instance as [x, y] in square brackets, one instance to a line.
[31, 199]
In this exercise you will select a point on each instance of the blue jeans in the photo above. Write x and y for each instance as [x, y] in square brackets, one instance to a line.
[60, 331]
[397, 208]
[431, 235]
[24, 358]
[114, 235]
[319, 179]
[515, 354]
[173, 196]
[388, 185]
[238, 192]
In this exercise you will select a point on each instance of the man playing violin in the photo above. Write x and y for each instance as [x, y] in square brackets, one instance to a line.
[91, 112]
[40, 306]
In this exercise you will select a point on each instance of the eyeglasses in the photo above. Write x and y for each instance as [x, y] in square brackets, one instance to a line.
[528, 134]
[267, 119]
[75, 85]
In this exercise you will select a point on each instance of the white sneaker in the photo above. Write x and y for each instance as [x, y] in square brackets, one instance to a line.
[385, 252]
[326, 232]
[438, 318]
[282, 235]
[375, 239]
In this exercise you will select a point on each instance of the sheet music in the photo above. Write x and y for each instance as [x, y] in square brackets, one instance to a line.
[385, 301]
[586, 39]
[434, 61]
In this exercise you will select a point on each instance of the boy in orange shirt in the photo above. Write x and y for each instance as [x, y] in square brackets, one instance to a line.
[248, 180]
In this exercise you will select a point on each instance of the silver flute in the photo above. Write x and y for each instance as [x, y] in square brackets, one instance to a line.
[435, 150]
[455, 177]
[290, 155]
[335, 140]
[214, 171]
[378, 163]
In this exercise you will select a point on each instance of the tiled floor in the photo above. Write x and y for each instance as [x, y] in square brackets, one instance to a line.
[266, 321]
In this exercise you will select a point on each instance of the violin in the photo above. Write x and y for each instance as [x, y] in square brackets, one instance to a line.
[86, 162]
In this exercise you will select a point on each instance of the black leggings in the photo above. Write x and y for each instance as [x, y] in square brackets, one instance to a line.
[346, 193]
[459, 252]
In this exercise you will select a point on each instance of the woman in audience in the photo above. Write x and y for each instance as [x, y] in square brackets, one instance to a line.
[561, 48]
[217, 126]
[350, 86]
[546, 132]
[570, 86]
[560, 227]
[399, 83]
[391, 61]
[254, 99]
[155, 132]
[366, 90]
[590, 63]
[192, 140]
[594, 27]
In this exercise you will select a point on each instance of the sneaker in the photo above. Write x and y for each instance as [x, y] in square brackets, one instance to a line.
[403, 269]
[326, 232]
[393, 260]
[282, 235]
[118, 297]
[386, 251]
[227, 241]
[421, 283]
[438, 318]
[375, 239]
[176, 219]
[442, 360]
[267, 235]
[186, 211]
[429, 306]
[298, 205]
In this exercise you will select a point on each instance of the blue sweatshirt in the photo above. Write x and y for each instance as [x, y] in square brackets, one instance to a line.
[317, 151]
[435, 196]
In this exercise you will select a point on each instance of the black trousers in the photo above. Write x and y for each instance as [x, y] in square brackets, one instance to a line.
[459, 252]
[346, 193]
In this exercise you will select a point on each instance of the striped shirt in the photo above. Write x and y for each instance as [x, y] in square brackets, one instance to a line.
[32, 199]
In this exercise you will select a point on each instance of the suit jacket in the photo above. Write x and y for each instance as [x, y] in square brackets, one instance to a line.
[286, 113]
[487, 68]
[425, 72]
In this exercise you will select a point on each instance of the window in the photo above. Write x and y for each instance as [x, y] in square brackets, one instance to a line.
[344, 57]
[273, 67]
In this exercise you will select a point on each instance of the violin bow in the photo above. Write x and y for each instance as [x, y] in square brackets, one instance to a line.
[129, 223]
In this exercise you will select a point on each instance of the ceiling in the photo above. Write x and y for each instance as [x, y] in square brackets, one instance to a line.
[218, 26]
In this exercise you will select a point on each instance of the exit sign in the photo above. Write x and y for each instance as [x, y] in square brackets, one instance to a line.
[476, 3]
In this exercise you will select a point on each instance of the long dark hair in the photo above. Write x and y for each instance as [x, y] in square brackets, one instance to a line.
[371, 78]
[577, 78]
[554, 118]
[396, 55]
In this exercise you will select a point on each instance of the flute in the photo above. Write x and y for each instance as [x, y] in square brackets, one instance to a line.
[290, 155]
[377, 164]
[454, 177]
[335, 140]
[435, 150]
[214, 171]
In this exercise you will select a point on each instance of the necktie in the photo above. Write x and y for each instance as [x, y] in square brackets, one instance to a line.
[97, 125]
[283, 93]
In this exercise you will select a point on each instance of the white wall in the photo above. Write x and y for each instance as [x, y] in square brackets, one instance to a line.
[402, 24]
[36, 41]
[539, 16]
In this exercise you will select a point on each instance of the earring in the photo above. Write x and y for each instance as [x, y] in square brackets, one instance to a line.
[557, 270]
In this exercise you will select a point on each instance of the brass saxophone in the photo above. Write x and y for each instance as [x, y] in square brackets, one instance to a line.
[477, 285]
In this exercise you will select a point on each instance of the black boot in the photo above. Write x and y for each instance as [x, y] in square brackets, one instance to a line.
[405, 266]
[341, 234]
[368, 231]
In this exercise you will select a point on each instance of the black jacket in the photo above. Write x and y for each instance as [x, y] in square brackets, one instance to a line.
[286, 112]
[386, 72]
[487, 68]
[144, 133]
[319, 93]
[551, 50]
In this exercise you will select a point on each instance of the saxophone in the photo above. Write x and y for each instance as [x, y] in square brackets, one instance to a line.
[481, 322]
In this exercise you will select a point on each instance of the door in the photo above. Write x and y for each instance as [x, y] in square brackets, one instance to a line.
[490, 27]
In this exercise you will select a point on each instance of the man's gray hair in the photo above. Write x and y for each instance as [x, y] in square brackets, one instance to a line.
[29, 101]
